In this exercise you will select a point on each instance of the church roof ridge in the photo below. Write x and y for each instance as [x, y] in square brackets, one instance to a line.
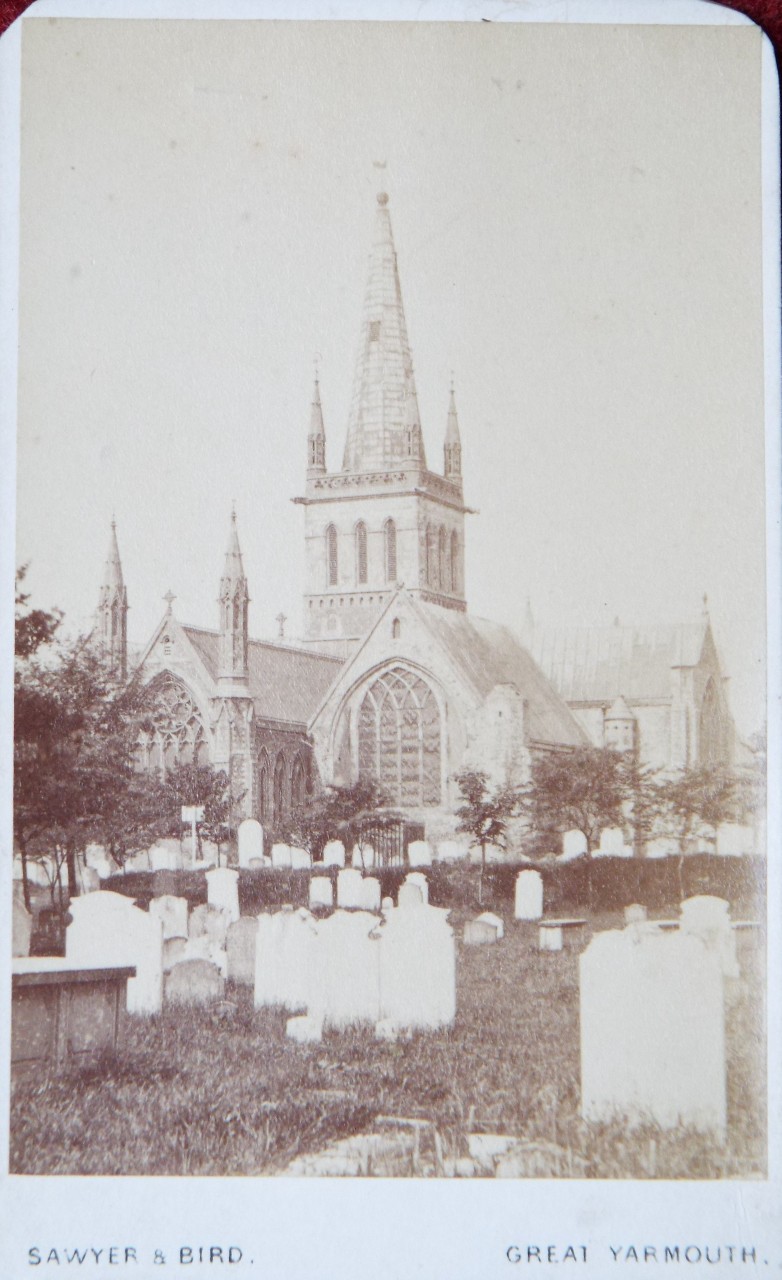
[308, 650]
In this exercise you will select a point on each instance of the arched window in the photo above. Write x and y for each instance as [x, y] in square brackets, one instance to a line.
[298, 783]
[175, 733]
[431, 556]
[396, 629]
[361, 552]
[399, 738]
[332, 556]
[390, 532]
[711, 730]
[441, 559]
[456, 569]
[279, 788]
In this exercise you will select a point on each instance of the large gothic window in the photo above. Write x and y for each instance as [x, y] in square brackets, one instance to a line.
[331, 555]
[361, 552]
[264, 789]
[298, 783]
[399, 738]
[390, 533]
[174, 733]
[279, 788]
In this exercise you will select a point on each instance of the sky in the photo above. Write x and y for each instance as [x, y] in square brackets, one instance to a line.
[576, 213]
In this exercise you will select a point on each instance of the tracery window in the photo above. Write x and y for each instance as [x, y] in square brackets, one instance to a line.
[264, 805]
[332, 556]
[298, 783]
[399, 738]
[174, 733]
[279, 788]
[390, 532]
[361, 552]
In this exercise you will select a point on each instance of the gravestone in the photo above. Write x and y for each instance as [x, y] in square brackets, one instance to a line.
[386, 906]
[350, 892]
[612, 841]
[250, 841]
[108, 929]
[488, 917]
[334, 854]
[652, 1031]
[172, 912]
[419, 853]
[662, 847]
[370, 894]
[300, 859]
[164, 883]
[708, 918]
[635, 913]
[451, 850]
[321, 892]
[256, 864]
[344, 980]
[208, 921]
[734, 839]
[21, 928]
[89, 880]
[418, 877]
[281, 857]
[304, 1029]
[574, 843]
[174, 950]
[166, 855]
[240, 950]
[550, 937]
[528, 904]
[477, 933]
[409, 897]
[284, 956]
[417, 969]
[222, 889]
[95, 856]
[205, 948]
[194, 982]
[363, 856]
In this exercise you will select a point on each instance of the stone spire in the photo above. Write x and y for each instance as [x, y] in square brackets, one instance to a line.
[233, 600]
[453, 443]
[384, 428]
[316, 439]
[113, 608]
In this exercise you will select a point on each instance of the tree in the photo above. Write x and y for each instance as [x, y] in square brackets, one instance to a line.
[33, 627]
[483, 815]
[200, 786]
[686, 799]
[338, 813]
[581, 789]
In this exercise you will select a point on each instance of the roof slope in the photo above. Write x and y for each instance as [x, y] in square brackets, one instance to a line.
[286, 683]
[596, 664]
[490, 654]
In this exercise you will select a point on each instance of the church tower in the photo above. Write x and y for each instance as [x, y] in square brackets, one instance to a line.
[385, 519]
[112, 614]
[234, 598]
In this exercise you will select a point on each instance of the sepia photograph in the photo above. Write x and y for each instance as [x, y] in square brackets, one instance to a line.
[390, 715]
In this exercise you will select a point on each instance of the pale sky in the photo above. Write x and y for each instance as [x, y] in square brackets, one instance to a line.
[577, 220]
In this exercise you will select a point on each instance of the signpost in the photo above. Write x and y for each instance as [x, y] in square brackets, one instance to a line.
[193, 813]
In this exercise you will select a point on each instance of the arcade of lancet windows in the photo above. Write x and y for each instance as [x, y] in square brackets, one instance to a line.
[399, 738]
[442, 564]
[283, 785]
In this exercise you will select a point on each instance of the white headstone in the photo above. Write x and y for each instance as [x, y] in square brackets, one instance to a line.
[488, 917]
[635, 913]
[350, 891]
[733, 839]
[574, 843]
[165, 856]
[240, 950]
[370, 894]
[21, 929]
[95, 856]
[363, 856]
[451, 850]
[418, 877]
[205, 948]
[250, 841]
[281, 856]
[550, 938]
[652, 1031]
[304, 1029]
[89, 880]
[386, 906]
[419, 853]
[344, 984]
[321, 892]
[222, 890]
[612, 841]
[172, 912]
[708, 918]
[208, 921]
[409, 896]
[661, 847]
[284, 956]
[528, 903]
[334, 854]
[477, 933]
[108, 929]
[417, 969]
[174, 950]
[194, 982]
[300, 859]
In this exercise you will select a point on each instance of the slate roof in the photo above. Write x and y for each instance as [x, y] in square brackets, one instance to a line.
[286, 683]
[596, 664]
[490, 654]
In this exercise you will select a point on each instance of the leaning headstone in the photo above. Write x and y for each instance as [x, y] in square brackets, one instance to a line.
[652, 1031]
[349, 888]
[574, 843]
[194, 982]
[21, 928]
[409, 896]
[370, 894]
[344, 981]
[334, 854]
[300, 859]
[208, 921]
[222, 888]
[612, 841]
[174, 950]
[172, 912]
[240, 950]
[321, 892]
[417, 969]
[488, 917]
[281, 856]
[108, 929]
[250, 841]
[418, 877]
[304, 1029]
[419, 853]
[635, 913]
[477, 933]
[708, 918]
[284, 957]
[528, 904]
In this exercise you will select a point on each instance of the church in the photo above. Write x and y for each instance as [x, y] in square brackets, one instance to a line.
[394, 678]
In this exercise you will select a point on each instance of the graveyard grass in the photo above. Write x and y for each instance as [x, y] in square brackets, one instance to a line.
[221, 1090]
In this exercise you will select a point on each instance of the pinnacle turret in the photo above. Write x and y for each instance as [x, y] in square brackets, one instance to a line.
[112, 616]
[233, 600]
[453, 442]
[316, 438]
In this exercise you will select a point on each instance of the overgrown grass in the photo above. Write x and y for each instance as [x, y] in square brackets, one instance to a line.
[224, 1091]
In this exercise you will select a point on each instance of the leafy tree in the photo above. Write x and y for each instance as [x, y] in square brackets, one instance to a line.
[33, 627]
[686, 799]
[200, 786]
[338, 813]
[484, 815]
[581, 789]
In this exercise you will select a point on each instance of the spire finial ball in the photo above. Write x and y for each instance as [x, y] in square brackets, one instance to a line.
[382, 198]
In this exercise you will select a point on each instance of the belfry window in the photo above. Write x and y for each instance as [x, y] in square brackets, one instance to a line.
[390, 532]
[374, 331]
[399, 738]
[332, 555]
[361, 552]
